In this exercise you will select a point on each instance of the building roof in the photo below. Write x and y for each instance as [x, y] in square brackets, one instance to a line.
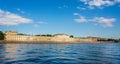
[61, 34]
[11, 31]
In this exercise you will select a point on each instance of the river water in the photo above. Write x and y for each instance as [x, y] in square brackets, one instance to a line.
[100, 53]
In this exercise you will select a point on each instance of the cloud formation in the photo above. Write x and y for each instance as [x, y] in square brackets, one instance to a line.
[37, 24]
[104, 22]
[81, 19]
[99, 3]
[63, 6]
[81, 8]
[18, 9]
[8, 19]
[41, 22]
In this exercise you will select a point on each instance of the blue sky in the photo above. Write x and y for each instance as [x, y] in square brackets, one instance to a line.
[81, 18]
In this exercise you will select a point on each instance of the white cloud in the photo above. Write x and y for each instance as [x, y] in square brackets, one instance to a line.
[81, 19]
[8, 18]
[104, 22]
[41, 22]
[75, 14]
[117, 0]
[81, 8]
[37, 24]
[99, 3]
[63, 6]
[18, 9]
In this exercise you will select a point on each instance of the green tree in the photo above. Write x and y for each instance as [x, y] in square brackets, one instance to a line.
[21, 34]
[43, 35]
[49, 35]
[1, 35]
[38, 35]
[71, 36]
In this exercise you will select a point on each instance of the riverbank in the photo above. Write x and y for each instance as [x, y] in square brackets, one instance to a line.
[45, 42]
[39, 42]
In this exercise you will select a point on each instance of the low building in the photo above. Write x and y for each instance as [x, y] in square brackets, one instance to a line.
[11, 33]
[14, 36]
[61, 37]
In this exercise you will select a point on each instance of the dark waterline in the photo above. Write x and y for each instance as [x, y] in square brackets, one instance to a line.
[100, 53]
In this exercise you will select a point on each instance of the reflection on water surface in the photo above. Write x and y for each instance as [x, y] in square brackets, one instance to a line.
[60, 53]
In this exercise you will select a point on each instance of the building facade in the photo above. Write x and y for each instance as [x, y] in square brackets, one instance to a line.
[14, 36]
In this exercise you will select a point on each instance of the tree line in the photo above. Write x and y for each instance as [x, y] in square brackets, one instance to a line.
[48, 35]
[1, 35]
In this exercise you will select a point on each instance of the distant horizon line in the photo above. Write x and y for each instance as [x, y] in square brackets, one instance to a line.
[60, 33]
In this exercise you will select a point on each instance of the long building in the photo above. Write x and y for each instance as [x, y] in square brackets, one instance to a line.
[15, 36]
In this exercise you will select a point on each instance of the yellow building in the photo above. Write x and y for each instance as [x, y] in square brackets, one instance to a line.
[14, 36]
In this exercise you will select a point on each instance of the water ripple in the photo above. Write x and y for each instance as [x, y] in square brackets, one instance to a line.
[60, 53]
